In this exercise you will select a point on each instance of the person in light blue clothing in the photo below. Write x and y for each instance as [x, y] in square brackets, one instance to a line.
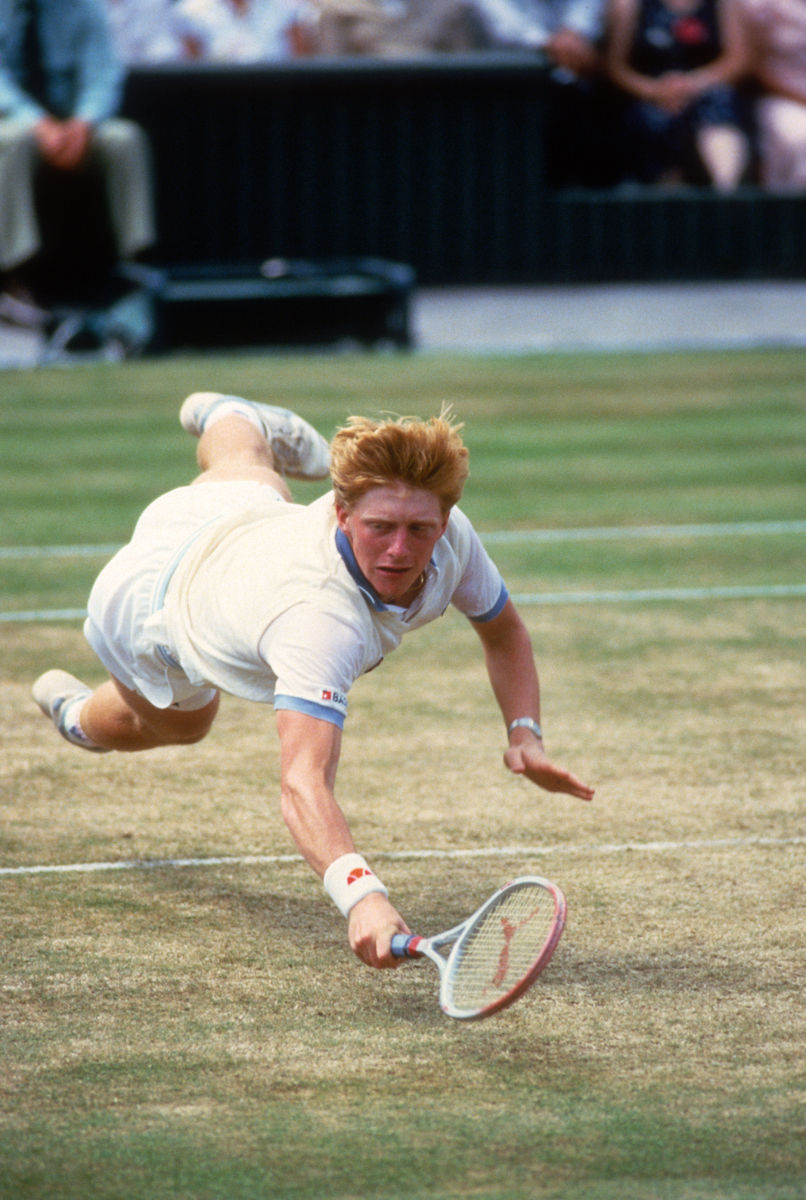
[60, 91]
[567, 32]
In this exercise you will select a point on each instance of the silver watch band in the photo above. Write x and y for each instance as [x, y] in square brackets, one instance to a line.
[525, 723]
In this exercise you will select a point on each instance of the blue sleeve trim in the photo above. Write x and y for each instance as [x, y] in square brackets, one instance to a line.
[322, 712]
[503, 596]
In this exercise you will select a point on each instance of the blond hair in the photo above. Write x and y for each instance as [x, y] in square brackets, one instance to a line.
[422, 454]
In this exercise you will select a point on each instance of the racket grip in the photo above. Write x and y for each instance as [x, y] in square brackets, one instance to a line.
[404, 945]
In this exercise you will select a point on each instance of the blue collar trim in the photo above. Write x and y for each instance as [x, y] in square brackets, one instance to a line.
[346, 551]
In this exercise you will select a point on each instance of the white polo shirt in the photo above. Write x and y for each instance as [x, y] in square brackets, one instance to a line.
[272, 606]
[225, 586]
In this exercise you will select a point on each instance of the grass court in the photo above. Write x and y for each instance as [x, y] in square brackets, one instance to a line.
[202, 1031]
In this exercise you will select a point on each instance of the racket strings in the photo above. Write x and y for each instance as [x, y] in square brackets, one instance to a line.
[501, 949]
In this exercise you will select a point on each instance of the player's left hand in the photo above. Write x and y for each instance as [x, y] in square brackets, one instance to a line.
[529, 758]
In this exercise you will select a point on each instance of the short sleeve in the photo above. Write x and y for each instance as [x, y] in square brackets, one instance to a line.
[315, 658]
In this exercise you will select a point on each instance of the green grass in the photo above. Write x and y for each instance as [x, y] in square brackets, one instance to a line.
[555, 441]
[205, 1034]
[596, 440]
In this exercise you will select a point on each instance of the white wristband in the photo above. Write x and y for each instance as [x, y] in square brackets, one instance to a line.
[349, 879]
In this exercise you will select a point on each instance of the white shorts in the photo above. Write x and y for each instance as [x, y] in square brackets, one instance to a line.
[131, 587]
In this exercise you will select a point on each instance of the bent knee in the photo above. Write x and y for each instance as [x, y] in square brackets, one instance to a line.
[188, 737]
[184, 727]
[164, 726]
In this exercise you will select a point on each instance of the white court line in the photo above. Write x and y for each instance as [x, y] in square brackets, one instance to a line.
[248, 860]
[626, 532]
[498, 537]
[635, 596]
[616, 532]
[57, 551]
[44, 614]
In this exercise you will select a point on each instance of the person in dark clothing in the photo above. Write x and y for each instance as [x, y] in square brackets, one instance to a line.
[677, 62]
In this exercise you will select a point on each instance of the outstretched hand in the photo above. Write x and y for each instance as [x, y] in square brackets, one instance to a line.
[529, 759]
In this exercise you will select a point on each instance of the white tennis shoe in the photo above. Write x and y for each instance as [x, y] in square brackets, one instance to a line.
[55, 692]
[301, 452]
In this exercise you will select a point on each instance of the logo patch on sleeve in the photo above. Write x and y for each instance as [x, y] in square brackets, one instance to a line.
[334, 697]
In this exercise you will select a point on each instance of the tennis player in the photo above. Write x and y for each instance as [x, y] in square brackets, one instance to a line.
[228, 586]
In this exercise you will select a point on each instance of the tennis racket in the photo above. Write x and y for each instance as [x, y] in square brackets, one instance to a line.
[498, 952]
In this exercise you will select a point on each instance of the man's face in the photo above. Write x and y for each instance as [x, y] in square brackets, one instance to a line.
[393, 531]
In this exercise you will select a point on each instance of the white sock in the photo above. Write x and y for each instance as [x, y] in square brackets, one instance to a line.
[234, 407]
[70, 728]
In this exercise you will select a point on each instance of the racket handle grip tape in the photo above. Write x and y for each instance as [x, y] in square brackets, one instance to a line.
[404, 945]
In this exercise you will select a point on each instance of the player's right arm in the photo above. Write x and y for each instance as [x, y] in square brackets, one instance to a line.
[309, 756]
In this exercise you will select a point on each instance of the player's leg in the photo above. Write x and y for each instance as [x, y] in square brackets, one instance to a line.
[112, 717]
[240, 439]
[117, 718]
[232, 448]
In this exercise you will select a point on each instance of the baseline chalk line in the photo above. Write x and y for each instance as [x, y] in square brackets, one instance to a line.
[248, 860]
[501, 536]
[504, 536]
[761, 591]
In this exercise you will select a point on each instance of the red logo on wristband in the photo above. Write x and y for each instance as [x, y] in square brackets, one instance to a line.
[357, 873]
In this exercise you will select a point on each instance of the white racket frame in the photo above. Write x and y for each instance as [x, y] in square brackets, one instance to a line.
[429, 947]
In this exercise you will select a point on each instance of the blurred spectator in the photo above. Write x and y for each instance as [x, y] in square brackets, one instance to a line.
[144, 32]
[60, 86]
[579, 128]
[238, 31]
[564, 35]
[777, 38]
[568, 32]
[398, 28]
[677, 61]
[350, 27]
[436, 26]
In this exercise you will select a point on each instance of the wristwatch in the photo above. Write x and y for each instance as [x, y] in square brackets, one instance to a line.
[525, 723]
